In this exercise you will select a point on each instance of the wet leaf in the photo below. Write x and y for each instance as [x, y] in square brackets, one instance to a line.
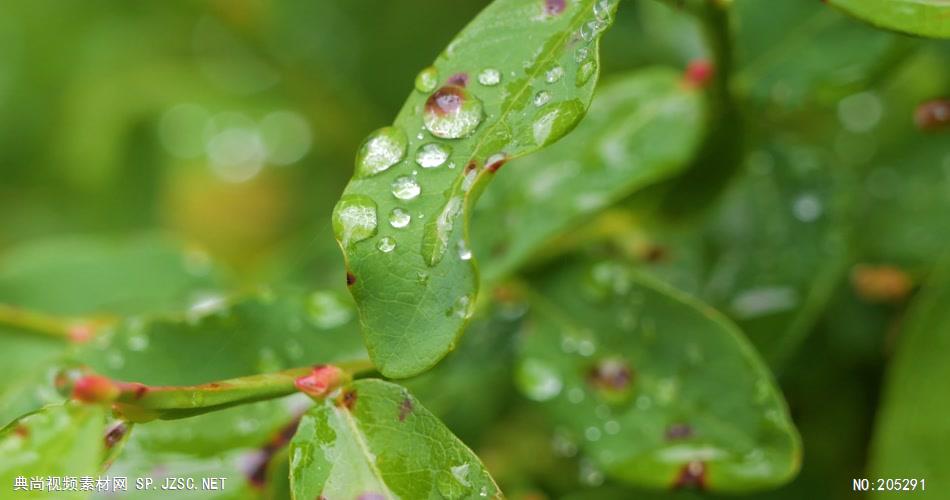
[517, 78]
[226, 339]
[377, 441]
[26, 372]
[63, 441]
[929, 18]
[912, 433]
[641, 128]
[656, 389]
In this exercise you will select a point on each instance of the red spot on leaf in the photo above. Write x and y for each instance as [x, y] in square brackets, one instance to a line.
[115, 434]
[496, 161]
[445, 101]
[95, 389]
[472, 165]
[933, 115]
[459, 79]
[692, 475]
[350, 278]
[554, 7]
[611, 374]
[405, 409]
[699, 73]
[22, 431]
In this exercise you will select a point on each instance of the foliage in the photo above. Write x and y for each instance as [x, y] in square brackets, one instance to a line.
[610, 250]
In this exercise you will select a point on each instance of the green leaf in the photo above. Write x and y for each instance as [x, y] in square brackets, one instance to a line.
[376, 439]
[929, 18]
[221, 340]
[657, 389]
[641, 128]
[86, 275]
[63, 440]
[25, 374]
[913, 434]
[517, 78]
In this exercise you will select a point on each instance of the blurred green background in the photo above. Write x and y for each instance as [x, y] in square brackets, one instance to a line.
[231, 125]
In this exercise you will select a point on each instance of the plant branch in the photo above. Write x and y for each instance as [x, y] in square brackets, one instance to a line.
[140, 403]
[43, 324]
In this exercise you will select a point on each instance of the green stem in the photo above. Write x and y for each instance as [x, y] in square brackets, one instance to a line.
[33, 322]
[140, 403]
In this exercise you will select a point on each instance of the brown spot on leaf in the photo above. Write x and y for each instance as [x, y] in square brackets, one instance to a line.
[348, 400]
[472, 165]
[554, 7]
[612, 374]
[678, 431]
[692, 475]
[496, 161]
[933, 115]
[115, 434]
[445, 101]
[655, 253]
[22, 431]
[350, 278]
[405, 409]
[459, 79]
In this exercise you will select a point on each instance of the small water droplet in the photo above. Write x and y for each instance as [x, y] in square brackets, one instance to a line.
[405, 188]
[354, 219]
[422, 278]
[554, 74]
[537, 380]
[584, 72]
[432, 155]
[399, 218]
[489, 77]
[462, 307]
[452, 113]
[807, 207]
[602, 10]
[464, 252]
[581, 54]
[386, 244]
[383, 148]
[541, 98]
[427, 79]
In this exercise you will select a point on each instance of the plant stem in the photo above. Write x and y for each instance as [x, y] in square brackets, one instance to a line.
[33, 322]
[140, 403]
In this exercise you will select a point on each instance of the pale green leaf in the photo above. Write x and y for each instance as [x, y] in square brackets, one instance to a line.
[517, 78]
[641, 129]
[376, 439]
[658, 390]
[929, 18]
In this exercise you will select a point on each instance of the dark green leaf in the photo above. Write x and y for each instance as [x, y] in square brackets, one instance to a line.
[917, 17]
[913, 434]
[658, 390]
[376, 439]
[640, 129]
[517, 78]
[62, 440]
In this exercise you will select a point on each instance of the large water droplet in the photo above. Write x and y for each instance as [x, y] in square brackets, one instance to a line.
[399, 218]
[537, 380]
[452, 113]
[554, 74]
[427, 79]
[406, 188]
[354, 219]
[386, 244]
[489, 77]
[380, 151]
[552, 123]
[584, 72]
[432, 155]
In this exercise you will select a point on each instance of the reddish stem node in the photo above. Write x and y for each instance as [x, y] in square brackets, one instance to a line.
[95, 389]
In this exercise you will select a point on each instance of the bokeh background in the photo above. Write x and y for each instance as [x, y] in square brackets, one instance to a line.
[231, 125]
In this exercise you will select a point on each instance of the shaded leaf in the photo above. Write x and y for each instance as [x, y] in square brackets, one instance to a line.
[916, 17]
[658, 390]
[376, 439]
[62, 440]
[912, 432]
[640, 129]
[517, 78]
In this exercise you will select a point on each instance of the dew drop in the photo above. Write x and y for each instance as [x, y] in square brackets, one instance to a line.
[386, 244]
[541, 98]
[537, 380]
[602, 10]
[581, 54]
[452, 113]
[552, 123]
[489, 77]
[432, 155]
[807, 207]
[427, 79]
[584, 72]
[554, 74]
[384, 148]
[464, 252]
[354, 219]
[399, 218]
[405, 188]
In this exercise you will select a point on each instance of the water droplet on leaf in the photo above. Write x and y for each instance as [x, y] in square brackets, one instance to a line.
[452, 113]
[399, 218]
[386, 244]
[406, 188]
[542, 98]
[489, 77]
[427, 79]
[380, 151]
[584, 72]
[354, 219]
[432, 155]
